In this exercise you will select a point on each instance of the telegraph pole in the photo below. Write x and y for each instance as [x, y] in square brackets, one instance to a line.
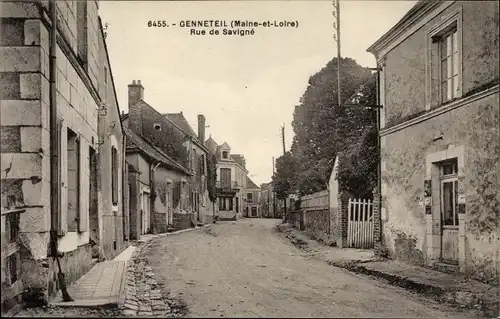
[284, 152]
[336, 38]
[283, 138]
[274, 195]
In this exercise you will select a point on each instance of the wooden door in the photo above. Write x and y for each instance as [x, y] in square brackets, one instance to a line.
[449, 213]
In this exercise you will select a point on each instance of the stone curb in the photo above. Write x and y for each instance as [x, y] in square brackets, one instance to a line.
[463, 298]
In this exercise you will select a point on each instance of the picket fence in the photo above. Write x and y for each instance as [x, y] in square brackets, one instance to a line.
[360, 223]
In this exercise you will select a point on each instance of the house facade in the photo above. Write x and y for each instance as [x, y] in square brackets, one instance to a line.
[158, 188]
[440, 136]
[267, 201]
[231, 181]
[252, 199]
[81, 133]
[172, 137]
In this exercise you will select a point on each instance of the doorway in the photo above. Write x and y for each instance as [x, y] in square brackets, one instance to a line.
[449, 212]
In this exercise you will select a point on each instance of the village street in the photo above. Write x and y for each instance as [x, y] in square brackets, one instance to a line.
[246, 269]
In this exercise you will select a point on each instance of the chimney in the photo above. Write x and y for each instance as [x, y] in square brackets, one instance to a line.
[201, 128]
[135, 93]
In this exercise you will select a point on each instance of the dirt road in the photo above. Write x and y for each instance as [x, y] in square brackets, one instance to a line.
[244, 269]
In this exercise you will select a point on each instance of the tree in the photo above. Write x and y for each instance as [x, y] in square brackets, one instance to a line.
[285, 176]
[358, 168]
[323, 128]
[212, 177]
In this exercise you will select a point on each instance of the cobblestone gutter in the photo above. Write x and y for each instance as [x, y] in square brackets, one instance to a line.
[143, 296]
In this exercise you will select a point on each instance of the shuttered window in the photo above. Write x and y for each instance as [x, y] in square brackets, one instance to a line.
[114, 172]
[73, 182]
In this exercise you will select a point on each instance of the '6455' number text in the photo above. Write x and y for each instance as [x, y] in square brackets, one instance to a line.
[159, 24]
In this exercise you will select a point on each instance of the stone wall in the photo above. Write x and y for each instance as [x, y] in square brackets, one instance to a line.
[182, 221]
[316, 223]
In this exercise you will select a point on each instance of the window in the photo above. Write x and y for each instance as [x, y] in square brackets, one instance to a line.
[105, 75]
[157, 126]
[73, 181]
[225, 154]
[249, 197]
[225, 177]
[114, 174]
[444, 60]
[449, 65]
[449, 193]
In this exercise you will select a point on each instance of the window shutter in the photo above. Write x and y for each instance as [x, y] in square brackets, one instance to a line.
[61, 229]
[434, 74]
[82, 212]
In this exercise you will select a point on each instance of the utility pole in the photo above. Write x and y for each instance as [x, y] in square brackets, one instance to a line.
[283, 138]
[336, 38]
[284, 152]
[274, 194]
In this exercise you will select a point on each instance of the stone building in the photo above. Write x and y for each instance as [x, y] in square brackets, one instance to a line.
[158, 188]
[252, 199]
[175, 138]
[231, 181]
[267, 201]
[440, 136]
[86, 135]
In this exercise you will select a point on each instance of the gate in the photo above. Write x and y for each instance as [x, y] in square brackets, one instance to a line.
[360, 223]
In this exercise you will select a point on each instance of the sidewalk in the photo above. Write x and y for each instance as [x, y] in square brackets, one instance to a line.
[104, 284]
[454, 289]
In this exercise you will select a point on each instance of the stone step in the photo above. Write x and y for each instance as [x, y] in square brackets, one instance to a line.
[446, 268]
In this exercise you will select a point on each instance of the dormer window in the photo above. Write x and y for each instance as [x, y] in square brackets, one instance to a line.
[225, 154]
[157, 126]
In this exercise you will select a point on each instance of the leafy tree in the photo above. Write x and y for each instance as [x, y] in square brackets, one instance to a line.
[323, 128]
[286, 170]
[358, 166]
[212, 177]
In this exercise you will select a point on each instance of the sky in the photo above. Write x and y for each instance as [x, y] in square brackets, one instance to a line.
[246, 86]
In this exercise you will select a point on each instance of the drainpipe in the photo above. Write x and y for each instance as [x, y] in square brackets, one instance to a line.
[124, 189]
[54, 150]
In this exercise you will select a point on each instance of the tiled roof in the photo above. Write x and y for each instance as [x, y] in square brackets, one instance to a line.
[136, 142]
[180, 120]
[251, 184]
[211, 145]
[238, 158]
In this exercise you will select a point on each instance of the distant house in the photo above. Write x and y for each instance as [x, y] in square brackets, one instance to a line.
[440, 136]
[231, 180]
[174, 137]
[252, 199]
[267, 201]
[158, 188]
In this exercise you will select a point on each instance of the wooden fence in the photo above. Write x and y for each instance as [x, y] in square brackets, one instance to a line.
[360, 223]
[315, 201]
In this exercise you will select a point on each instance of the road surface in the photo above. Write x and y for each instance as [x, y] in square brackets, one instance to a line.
[245, 269]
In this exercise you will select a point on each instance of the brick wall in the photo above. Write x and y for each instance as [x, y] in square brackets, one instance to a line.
[342, 220]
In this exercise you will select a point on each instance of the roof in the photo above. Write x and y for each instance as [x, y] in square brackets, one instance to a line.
[414, 14]
[136, 142]
[225, 146]
[211, 145]
[238, 158]
[251, 184]
[180, 121]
